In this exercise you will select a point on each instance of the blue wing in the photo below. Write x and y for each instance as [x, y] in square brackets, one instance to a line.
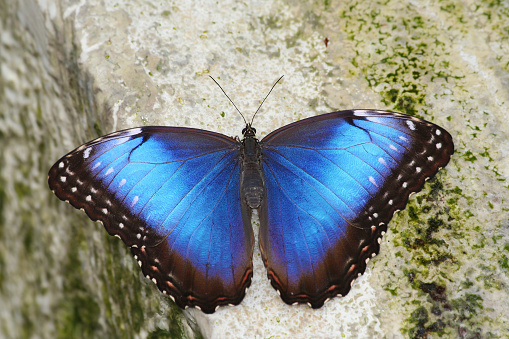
[333, 183]
[172, 195]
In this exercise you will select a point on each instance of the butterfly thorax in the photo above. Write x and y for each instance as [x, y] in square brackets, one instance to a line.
[251, 180]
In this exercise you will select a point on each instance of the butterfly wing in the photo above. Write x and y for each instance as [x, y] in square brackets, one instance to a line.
[172, 195]
[333, 183]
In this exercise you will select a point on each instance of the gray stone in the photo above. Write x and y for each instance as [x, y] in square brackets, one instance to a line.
[74, 70]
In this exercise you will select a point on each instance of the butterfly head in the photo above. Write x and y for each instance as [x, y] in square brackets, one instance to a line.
[249, 131]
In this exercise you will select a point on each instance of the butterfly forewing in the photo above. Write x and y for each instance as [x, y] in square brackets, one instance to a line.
[333, 183]
[172, 194]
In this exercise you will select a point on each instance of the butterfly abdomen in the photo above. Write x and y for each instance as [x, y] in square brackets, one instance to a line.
[252, 186]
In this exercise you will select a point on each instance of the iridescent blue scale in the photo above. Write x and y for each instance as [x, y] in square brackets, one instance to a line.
[326, 187]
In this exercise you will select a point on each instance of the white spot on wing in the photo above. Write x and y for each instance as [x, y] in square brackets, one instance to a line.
[382, 161]
[109, 171]
[97, 164]
[418, 169]
[61, 164]
[122, 183]
[86, 154]
[121, 225]
[135, 200]
[63, 179]
[360, 112]
[438, 132]
[403, 138]
[372, 180]
[391, 146]
[439, 145]
[410, 125]
[73, 189]
[88, 198]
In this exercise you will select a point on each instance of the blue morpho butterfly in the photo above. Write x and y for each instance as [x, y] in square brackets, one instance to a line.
[325, 187]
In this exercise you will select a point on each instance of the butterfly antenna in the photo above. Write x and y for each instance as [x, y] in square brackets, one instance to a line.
[266, 97]
[242, 115]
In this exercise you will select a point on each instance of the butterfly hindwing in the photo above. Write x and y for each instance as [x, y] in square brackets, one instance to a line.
[333, 183]
[172, 195]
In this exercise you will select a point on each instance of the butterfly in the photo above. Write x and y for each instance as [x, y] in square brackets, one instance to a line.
[325, 188]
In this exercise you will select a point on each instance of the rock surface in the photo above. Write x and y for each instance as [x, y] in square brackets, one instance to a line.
[72, 71]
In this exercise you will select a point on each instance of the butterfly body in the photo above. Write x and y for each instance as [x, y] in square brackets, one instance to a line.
[252, 184]
[325, 187]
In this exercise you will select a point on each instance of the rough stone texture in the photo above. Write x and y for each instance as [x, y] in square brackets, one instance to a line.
[73, 70]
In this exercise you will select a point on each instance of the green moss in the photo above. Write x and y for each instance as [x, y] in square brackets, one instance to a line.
[2, 236]
[271, 21]
[78, 313]
[28, 328]
[79, 317]
[122, 307]
[392, 291]
[421, 328]
[114, 294]
[27, 231]
[443, 315]
[2, 272]
[97, 129]
[390, 97]
[504, 263]
[160, 334]
[468, 306]
[413, 212]
[22, 190]
[2, 207]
